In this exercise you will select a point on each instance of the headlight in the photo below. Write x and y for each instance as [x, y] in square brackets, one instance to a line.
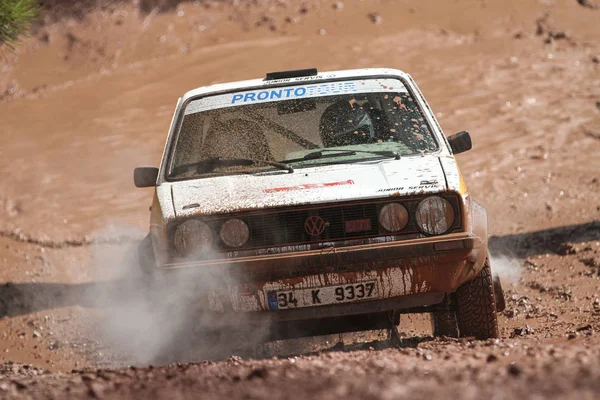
[435, 215]
[234, 232]
[192, 238]
[393, 217]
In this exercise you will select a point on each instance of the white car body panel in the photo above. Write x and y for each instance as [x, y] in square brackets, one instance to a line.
[315, 185]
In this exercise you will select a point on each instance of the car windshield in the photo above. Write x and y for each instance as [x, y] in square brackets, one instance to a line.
[364, 119]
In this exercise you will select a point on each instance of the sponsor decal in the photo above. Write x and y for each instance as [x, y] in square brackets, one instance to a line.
[324, 89]
[284, 249]
[299, 79]
[358, 225]
[309, 186]
[301, 91]
[423, 187]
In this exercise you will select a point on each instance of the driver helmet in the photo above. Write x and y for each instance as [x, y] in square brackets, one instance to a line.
[346, 123]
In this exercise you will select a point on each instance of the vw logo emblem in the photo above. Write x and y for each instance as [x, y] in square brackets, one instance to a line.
[314, 225]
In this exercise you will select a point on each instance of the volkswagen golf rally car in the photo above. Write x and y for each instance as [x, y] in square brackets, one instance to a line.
[321, 203]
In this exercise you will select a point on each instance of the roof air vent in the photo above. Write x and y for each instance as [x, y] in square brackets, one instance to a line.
[297, 73]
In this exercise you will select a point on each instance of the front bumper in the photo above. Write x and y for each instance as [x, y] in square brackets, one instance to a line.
[410, 273]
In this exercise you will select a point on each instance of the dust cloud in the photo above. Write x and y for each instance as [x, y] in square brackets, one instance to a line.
[157, 319]
[507, 267]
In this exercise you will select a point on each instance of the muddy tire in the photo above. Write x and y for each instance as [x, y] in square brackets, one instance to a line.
[476, 306]
[444, 323]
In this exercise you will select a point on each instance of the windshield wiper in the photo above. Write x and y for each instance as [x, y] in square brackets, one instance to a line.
[340, 153]
[209, 164]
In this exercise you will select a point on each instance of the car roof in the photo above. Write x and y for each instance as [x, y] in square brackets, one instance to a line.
[325, 75]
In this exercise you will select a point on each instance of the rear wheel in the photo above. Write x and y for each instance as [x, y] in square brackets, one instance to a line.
[476, 306]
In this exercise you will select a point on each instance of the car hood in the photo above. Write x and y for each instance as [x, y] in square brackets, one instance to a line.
[314, 185]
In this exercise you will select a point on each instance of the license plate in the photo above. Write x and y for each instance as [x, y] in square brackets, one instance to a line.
[313, 297]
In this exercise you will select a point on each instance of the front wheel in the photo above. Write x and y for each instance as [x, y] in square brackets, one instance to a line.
[476, 306]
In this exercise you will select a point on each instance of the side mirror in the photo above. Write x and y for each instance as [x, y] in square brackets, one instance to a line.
[145, 176]
[460, 142]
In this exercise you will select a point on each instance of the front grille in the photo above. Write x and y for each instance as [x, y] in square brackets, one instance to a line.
[285, 227]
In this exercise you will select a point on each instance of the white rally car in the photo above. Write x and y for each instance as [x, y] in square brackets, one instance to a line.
[321, 203]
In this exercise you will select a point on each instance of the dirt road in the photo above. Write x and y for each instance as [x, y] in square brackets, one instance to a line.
[90, 96]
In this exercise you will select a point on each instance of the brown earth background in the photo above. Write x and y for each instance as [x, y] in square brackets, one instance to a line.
[89, 96]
